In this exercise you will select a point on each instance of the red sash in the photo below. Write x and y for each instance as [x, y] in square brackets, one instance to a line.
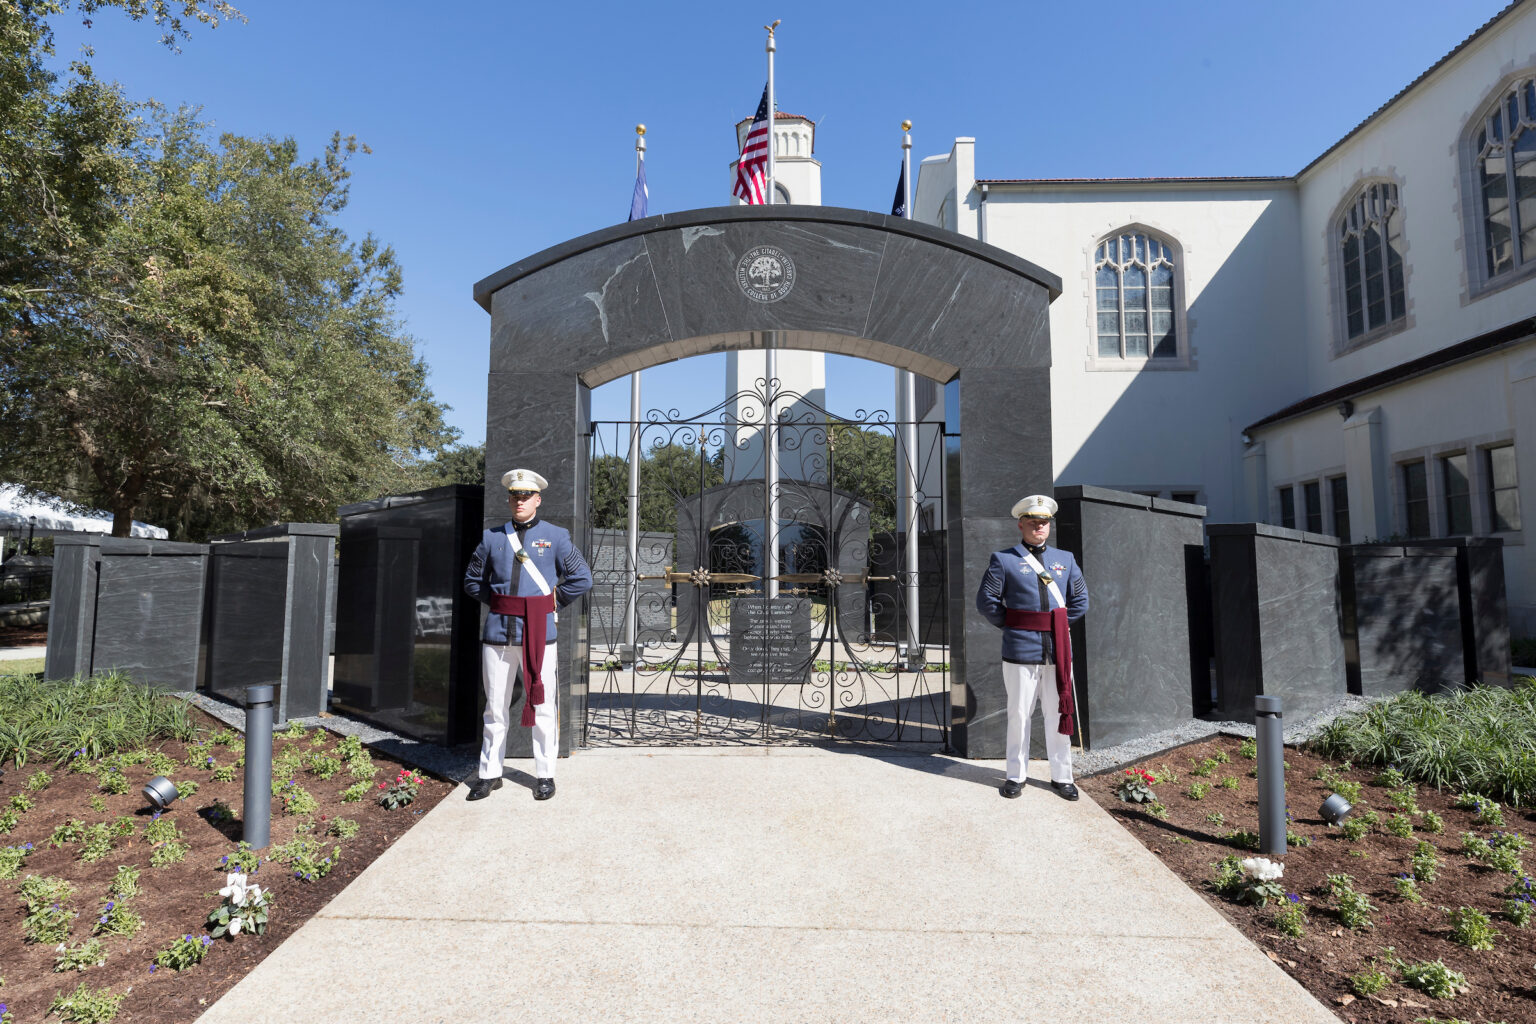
[1055, 623]
[534, 612]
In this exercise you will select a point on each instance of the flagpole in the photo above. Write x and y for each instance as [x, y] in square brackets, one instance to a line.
[916, 655]
[770, 375]
[634, 468]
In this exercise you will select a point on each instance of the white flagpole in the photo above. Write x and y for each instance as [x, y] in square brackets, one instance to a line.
[770, 374]
[915, 652]
[634, 468]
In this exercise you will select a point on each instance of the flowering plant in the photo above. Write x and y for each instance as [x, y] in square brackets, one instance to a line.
[402, 791]
[1260, 884]
[1136, 787]
[184, 952]
[244, 908]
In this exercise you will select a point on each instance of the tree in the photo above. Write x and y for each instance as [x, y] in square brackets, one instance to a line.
[463, 464]
[217, 353]
[668, 473]
[864, 465]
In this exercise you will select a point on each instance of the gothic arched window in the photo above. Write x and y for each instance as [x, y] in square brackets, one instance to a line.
[1369, 235]
[1134, 276]
[1502, 148]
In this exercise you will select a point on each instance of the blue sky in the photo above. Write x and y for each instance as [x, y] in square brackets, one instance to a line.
[499, 129]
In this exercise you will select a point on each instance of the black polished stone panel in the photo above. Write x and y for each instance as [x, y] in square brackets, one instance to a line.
[980, 701]
[1132, 651]
[597, 304]
[376, 618]
[247, 595]
[269, 615]
[1402, 619]
[531, 423]
[1484, 606]
[150, 611]
[835, 271]
[1278, 613]
[980, 315]
[72, 608]
[407, 636]
[1006, 412]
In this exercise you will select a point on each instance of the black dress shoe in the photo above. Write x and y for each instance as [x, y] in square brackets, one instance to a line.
[544, 789]
[1065, 790]
[482, 788]
[1011, 789]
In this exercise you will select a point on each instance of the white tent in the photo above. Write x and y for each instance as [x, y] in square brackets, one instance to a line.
[47, 515]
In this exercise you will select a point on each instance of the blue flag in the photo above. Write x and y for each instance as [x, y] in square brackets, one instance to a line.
[640, 203]
[899, 204]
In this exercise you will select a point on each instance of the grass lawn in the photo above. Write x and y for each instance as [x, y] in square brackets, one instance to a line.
[21, 667]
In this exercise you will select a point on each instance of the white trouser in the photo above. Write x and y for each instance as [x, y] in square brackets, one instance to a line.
[500, 667]
[1024, 683]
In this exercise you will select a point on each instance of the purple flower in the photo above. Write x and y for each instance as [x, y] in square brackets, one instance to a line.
[110, 904]
[103, 919]
[1293, 897]
[151, 968]
[207, 941]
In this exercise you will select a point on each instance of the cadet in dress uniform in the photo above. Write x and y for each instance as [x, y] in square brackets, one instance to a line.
[522, 569]
[1032, 592]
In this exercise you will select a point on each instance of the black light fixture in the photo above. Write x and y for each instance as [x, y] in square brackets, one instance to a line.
[1335, 809]
[1347, 408]
[160, 791]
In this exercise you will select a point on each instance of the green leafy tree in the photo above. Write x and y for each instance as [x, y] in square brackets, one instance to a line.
[461, 464]
[222, 354]
[667, 473]
[864, 465]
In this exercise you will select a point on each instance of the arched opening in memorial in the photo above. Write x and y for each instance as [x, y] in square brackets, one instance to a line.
[968, 317]
[699, 632]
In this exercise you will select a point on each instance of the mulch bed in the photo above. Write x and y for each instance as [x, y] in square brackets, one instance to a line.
[175, 900]
[1503, 980]
[23, 636]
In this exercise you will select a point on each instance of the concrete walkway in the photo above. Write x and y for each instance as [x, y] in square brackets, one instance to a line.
[780, 884]
[23, 653]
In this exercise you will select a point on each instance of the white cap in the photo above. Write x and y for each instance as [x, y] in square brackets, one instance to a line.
[523, 480]
[1036, 506]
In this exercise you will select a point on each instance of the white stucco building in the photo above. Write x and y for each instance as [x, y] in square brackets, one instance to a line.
[1350, 349]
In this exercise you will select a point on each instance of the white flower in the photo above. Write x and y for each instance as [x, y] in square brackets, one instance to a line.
[235, 890]
[234, 925]
[1261, 868]
[253, 895]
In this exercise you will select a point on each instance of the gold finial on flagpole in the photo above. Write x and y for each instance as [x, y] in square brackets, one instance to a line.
[639, 129]
[906, 126]
[775, 25]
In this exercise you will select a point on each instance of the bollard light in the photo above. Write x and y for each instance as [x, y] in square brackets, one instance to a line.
[160, 791]
[1270, 740]
[257, 813]
[1335, 809]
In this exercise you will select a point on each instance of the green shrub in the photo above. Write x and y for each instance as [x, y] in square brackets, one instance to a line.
[1405, 799]
[1228, 782]
[1291, 918]
[1229, 877]
[12, 858]
[1518, 910]
[297, 800]
[1471, 928]
[343, 828]
[1353, 908]
[184, 952]
[67, 832]
[1426, 864]
[1368, 983]
[1391, 777]
[8, 821]
[1434, 979]
[22, 803]
[77, 958]
[117, 918]
[113, 781]
[161, 763]
[322, 766]
[1244, 839]
[352, 794]
[86, 1006]
[1400, 825]
[96, 844]
[1198, 790]
[224, 773]
[39, 781]
[1408, 888]
[1355, 829]
[1249, 748]
[167, 854]
[307, 858]
[125, 884]
[1432, 822]
[187, 789]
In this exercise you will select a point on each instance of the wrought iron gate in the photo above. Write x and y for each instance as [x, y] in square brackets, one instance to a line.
[688, 643]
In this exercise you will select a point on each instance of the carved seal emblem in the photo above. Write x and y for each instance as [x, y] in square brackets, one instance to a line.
[765, 274]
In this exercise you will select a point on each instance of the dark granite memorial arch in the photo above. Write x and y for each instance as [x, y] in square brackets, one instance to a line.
[636, 295]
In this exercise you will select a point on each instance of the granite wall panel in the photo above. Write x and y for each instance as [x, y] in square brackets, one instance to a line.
[1278, 618]
[150, 611]
[407, 636]
[1403, 619]
[1132, 651]
[1483, 604]
[72, 609]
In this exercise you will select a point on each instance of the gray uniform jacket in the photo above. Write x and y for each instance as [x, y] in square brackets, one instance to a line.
[1010, 583]
[493, 570]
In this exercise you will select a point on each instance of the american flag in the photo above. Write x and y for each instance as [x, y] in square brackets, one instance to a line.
[752, 169]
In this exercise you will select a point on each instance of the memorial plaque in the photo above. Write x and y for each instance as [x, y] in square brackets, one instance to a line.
[770, 640]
